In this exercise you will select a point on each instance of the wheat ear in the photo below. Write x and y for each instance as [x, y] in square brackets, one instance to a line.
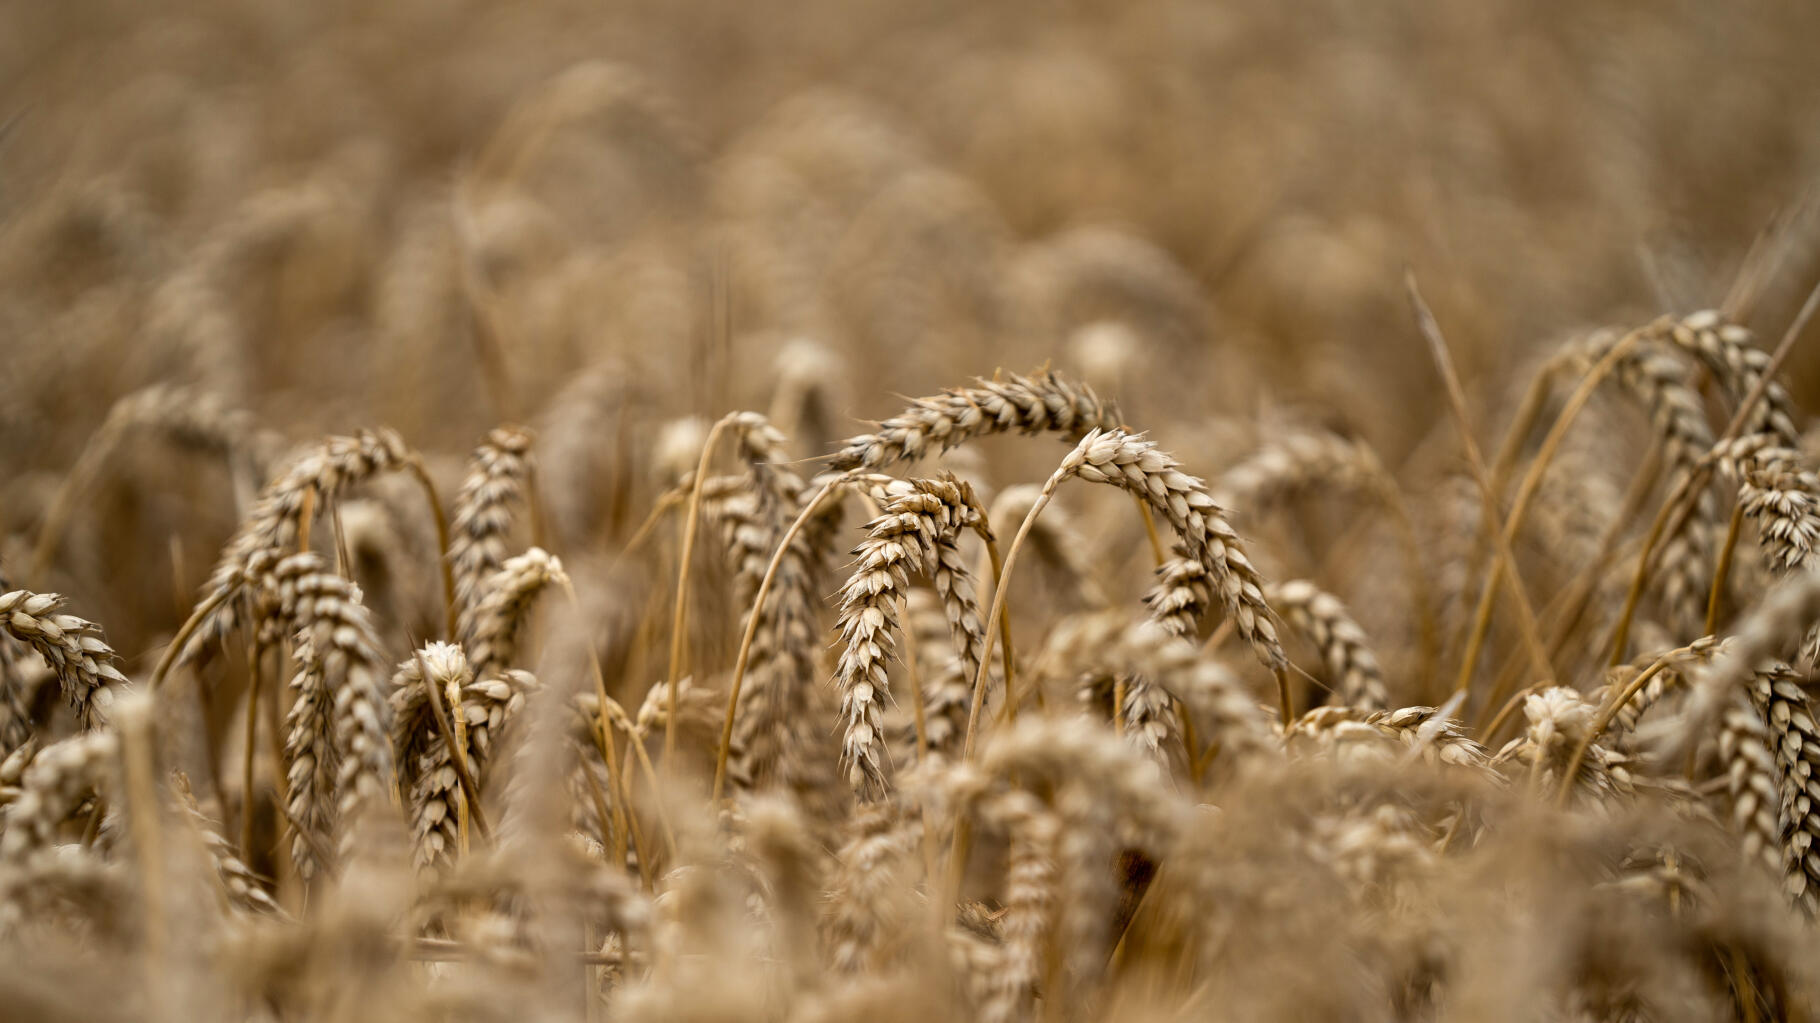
[498, 473]
[1345, 650]
[1041, 403]
[489, 631]
[73, 647]
[907, 537]
[338, 742]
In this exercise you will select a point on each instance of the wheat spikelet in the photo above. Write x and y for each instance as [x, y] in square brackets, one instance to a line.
[1035, 404]
[1786, 506]
[1411, 729]
[1182, 594]
[777, 734]
[74, 649]
[867, 901]
[68, 882]
[425, 770]
[785, 730]
[781, 725]
[1104, 792]
[1344, 648]
[498, 472]
[489, 630]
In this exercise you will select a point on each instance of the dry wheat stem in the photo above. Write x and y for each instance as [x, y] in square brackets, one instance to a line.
[1505, 562]
[603, 731]
[1526, 491]
[1722, 570]
[678, 620]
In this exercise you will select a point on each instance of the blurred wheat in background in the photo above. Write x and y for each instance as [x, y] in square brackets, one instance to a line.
[471, 549]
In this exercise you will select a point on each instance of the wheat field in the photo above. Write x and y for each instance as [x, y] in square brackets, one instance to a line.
[698, 511]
